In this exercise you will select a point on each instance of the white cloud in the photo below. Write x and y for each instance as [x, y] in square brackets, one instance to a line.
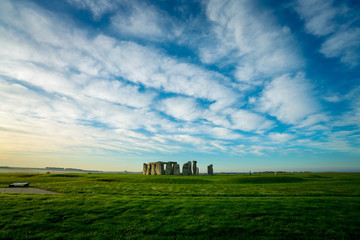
[289, 99]
[50, 81]
[153, 69]
[187, 139]
[19, 100]
[318, 15]
[118, 92]
[218, 118]
[336, 23]
[345, 45]
[351, 117]
[73, 81]
[33, 125]
[106, 94]
[181, 108]
[224, 133]
[133, 18]
[259, 150]
[73, 61]
[313, 120]
[248, 121]
[332, 99]
[142, 21]
[251, 36]
[281, 137]
[332, 144]
[97, 7]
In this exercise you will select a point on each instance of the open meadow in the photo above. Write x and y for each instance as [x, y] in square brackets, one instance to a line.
[133, 206]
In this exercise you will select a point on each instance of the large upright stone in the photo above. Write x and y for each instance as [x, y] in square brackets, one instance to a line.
[153, 172]
[187, 168]
[210, 170]
[168, 169]
[194, 167]
[176, 169]
[162, 169]
[148, 170]
[145, 168]
[197, 170]
[159, 168]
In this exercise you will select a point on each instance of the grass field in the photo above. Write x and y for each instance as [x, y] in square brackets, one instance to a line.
[131, 206]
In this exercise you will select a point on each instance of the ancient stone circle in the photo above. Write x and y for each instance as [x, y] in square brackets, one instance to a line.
[173, 168]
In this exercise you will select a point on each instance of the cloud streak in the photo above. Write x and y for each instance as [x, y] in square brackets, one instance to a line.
[289, 99]
[258, 45]
[337, 24]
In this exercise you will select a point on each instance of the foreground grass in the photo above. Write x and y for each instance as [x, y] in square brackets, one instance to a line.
[300, 206]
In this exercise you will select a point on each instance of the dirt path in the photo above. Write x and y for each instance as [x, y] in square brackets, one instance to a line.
[26, 190]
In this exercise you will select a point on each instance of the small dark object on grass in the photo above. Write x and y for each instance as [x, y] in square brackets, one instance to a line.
[19, 184]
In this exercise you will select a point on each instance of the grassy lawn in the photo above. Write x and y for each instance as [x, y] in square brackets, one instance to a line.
[120, 206]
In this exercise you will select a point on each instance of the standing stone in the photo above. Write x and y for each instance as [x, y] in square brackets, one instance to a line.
[194, 167]
[159, 168]
[187, 168]
[176, 169]
[162, 169]
[197, 170]
[145, 168]
[210, 170]
[153, 172]
[148, 170]
[168, 169]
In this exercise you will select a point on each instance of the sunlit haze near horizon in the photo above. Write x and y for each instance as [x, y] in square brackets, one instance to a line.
[244, 85]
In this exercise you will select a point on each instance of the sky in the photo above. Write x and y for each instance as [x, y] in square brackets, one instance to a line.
[245, 85]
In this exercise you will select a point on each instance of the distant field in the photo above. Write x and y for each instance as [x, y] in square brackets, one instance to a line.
[132, 206]
[39, 170]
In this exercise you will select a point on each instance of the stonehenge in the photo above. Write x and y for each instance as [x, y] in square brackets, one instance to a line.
[210, 170]
[173, 168]
[152, 168]
[168, 169]
[187, 168]
[177, 169]
[194, 167]
[159, 170]
[145, 166]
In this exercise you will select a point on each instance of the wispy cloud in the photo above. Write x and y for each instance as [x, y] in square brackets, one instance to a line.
[119, 92]
[250, 36]
[98, 82]
[97, 7]
[248, 121]
[281, 137]
[289, 99]
[144, 21]
[336, 22]
[139, 78]
[345, 45]
[181, 108]
[140, 22]
[318, 15]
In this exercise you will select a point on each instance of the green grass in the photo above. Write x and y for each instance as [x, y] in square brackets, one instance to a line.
[121, 206]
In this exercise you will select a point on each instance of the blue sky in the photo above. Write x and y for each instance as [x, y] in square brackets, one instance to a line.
[244, 85]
